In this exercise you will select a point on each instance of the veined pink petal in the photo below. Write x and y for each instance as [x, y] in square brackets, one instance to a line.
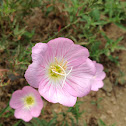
[66, 49]
[97, 80]
[16, 101]
[65, 98]
[96, 85]
[78, 82]
[78, 86]
[36, 110]
[34, 74]
[86, 67]
[60, 46]
[77, 52]
[24, 114]
[57, 95]
[38, 51]
[48, 91]
[100, 74]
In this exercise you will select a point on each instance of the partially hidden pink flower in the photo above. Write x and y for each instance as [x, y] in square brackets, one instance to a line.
[27, 103]
[61, 70]
[97, 80]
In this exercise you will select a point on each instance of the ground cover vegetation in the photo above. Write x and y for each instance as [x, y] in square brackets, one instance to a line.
[25, 23]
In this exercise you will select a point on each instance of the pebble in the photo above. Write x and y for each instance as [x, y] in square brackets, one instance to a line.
[103, 95]
[109, 112]
[103, 117]
[107, 85]
[109, 94]
[113, 101]
[122, 80]
[125, 119]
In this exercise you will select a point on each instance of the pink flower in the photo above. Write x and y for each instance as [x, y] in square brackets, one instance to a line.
[97, 80]
[27, 103]
[61, 70]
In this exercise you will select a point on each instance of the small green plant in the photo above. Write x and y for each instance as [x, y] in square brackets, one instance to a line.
[76, 111]
[97, 103]
[101, 123]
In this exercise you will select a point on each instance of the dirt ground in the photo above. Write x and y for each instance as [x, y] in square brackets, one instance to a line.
[112, 106]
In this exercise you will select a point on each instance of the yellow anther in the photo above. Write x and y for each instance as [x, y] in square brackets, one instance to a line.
[56, 60]
[58, 70]
[64, 66]
[61, 63]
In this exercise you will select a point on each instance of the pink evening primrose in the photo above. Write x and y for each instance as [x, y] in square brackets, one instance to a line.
[61, 70]
[27, 103]
[97, 80]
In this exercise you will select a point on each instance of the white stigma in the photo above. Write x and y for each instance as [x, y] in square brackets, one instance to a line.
[64, 73]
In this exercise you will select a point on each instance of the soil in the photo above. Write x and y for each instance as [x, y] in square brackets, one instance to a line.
[111, 108]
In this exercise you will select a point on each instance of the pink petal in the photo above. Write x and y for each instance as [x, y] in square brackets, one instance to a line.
[34, 74]
[87, 67]
[66, 49]
[100, 76]
[38, 51]
[65, 98]
[99, 67]
[96, 85]
[60, 46]
[78, 82]
[76, 54]
[24, 114]
[47, 90]
[56, 95]
[78, 86]
[35, 110]
[16, 101]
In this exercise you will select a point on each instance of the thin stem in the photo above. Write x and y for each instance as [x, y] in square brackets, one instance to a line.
[63, 29]
[4, 109]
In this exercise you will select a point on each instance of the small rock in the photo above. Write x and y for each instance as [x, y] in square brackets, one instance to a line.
[122, 80]
[103, 117]
[113, 101]
[109, 94]
[125, 118]
[109, 112]
[103, 95]
[107, 85]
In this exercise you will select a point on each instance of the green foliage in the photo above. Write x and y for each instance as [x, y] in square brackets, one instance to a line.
[76, 111]
[85, 18]
[4, 110]
[97, 103]
[94, 15]
[41, 122]
[101, 123]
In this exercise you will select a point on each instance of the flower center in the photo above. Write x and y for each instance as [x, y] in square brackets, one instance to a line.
[58, 70]
[29, 101]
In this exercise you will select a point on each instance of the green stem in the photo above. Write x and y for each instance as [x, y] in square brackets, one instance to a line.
[16, 124]
[4, 109]
[63, 29]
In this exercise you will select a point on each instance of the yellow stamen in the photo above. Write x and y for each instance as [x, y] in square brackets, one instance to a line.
[56, 60]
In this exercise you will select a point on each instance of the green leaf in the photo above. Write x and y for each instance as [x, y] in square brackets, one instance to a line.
[101, 123]
[95, 14]
[121, 26]
[17, 124]
[5, 109]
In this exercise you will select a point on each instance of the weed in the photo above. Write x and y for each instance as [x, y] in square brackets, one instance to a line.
[97, 103]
